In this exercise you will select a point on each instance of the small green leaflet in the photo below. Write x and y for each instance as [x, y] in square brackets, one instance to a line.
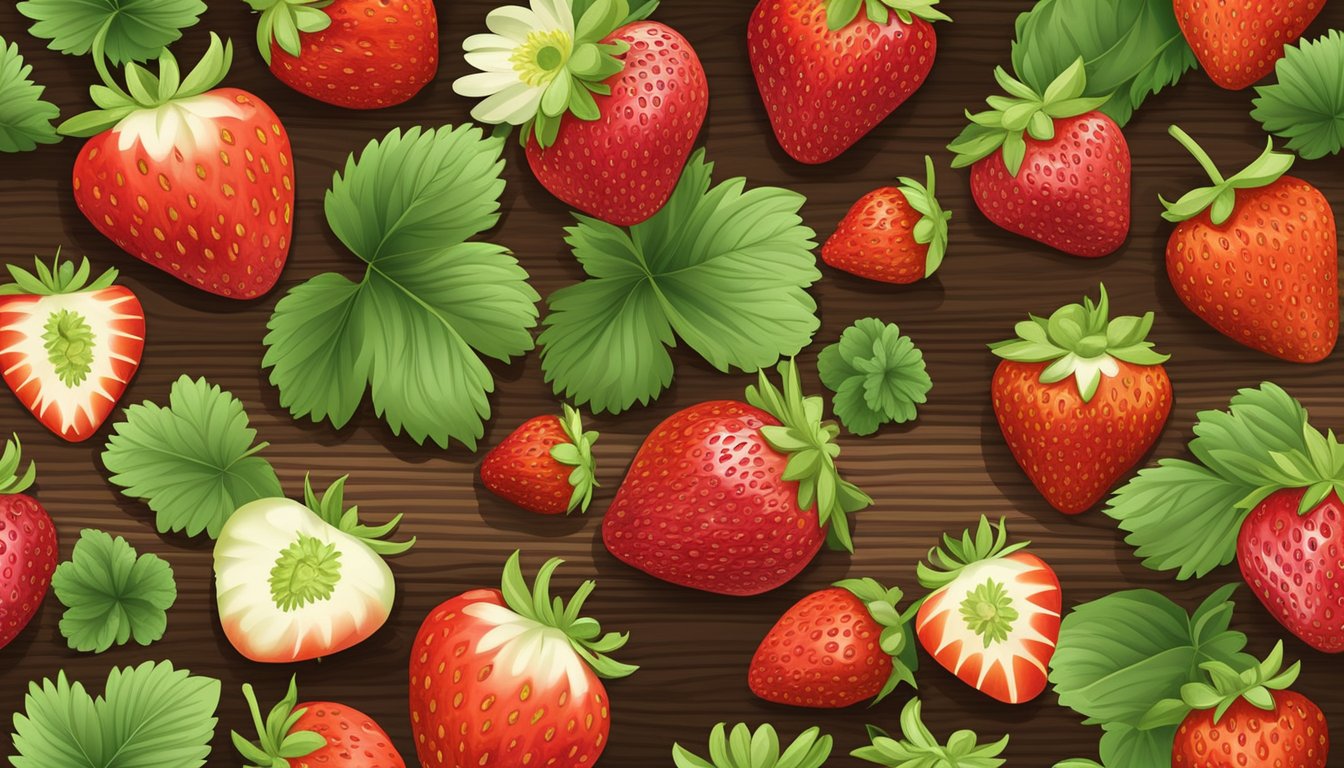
[1131, 48]
[150, 716]
[1306, 103]
[133, 30]
[25, 119]
[877, 375]
[723, 269]
[429, 304]
[112, 595]
[194, 463]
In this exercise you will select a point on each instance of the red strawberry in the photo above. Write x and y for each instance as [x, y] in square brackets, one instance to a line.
[1080, 398]
[1238, 41]
[28, 546]
[359, 54]
[828, 75]
[315, 734]
[1256, 257]
[993, 616]
[68, 346]
[1049, 167]
[892, 234]
[836, 647]
[734, 498]
[546, 465]
[196, 182]
[512, 678]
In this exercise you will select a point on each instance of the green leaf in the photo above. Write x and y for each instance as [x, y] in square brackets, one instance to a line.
[430, 304]
[724, 269]
[744, 748]
[878, 376]
[25, 119]
[150, 716]
[136, 30]
[1124, 746]
[193, 462]
[1305, 104]
[111, 595]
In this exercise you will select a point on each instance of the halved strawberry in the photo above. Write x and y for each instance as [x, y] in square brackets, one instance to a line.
[545, 465]
[69, 346]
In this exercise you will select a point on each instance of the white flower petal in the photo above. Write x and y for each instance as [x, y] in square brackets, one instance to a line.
[513, 105]
[513, 22]
[488, 42]
[492, 61]
[482, 84]
[555, 15]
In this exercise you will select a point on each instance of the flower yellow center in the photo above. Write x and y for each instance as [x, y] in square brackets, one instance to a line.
[541, 57]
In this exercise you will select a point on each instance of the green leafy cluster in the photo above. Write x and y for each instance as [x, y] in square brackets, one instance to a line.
[917, 747]
[25, 118]
[12, 481]
[744, 748]
[877, 375]
[897, 639]
[988, 541]
[111, 594]
[278, 742]
[283, 20]
[577, 453]
[1220, 198]
[122, 30]
[839, 13]
[1305, 104]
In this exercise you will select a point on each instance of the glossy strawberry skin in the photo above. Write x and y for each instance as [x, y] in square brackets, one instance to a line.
[521, 468]
[823, 653]
[1238, 42]
[825, 90]
[623, 167]
[223, 227]
[1295, 565]
[28, 553]
[375, 54]
[354, 740]
[1293, 735]
[1071, 193]
[876, 239]
[1072, 451]
[1268, 277]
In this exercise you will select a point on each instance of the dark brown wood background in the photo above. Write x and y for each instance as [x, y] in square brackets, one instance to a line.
[939, 474]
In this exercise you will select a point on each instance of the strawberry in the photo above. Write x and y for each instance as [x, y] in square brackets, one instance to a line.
[28, 546]
[512, 677]
[358, 54]
[1256, 257]
[732, 497]
[1049, 166]
[829, 74]
[545, 466]
[69, 347]
[1080, 398]
[1238, 41]
[892, 234]
[746, 748]
[836, 647]
[314, 734]
[194, 181]
[993, 616]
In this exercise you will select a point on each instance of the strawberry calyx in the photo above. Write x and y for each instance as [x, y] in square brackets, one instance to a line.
[989, 542]
[331, 508]
[12, 482]
[1082, 341]
[839, 13]
[931, 229]
[897, 638]
[577, 453]
[1023, 113]
[61, 277]
[810, 445]
[282, 20]
[919, 747]
[277, 742]
[1226, 686]
[1220, 199]
[745, 748]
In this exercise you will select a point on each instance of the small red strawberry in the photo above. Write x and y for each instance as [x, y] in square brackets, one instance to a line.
[1080, 398]
[1238, 41]
[829, 73]
[1049, 166]
[1256, 256]
[837, 647]
[358, 54]
[28, 546]
[69, 347]
[732, 497]
[196, 182]
[892, 234]
[314, 734]
[545, 466]
[512, 678]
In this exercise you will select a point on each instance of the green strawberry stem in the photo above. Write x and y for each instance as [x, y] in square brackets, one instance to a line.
[1254, 685]
[11, 482]
[839, 13]
[584, 634]
[1220, 199]
[577, 453]
[331, 508]
[918, 747]
[60, 278]
[989, 542]
[810, 445]
[931, 229]
[278, 741]
[283, 20]
[1083, 342]
[760, 749]
[897, 638]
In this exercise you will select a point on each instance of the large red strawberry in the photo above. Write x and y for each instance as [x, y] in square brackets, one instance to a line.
[69, 346]
[194, 181]
[314, 734]
[512, 677]
[545, 466]
[892, 234]
[732, 497]
[359, 54]
[829, 71]
[1256, 256]
[1049, 166]
[993, 616]
[28, 546]
[1080, 398]
[837, 647]
[1238, 41]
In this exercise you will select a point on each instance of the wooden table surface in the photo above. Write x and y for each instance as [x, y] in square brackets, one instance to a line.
[940, 474]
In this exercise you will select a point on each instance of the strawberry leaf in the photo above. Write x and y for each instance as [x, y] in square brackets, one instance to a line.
[1124, 746]
[25, 119]
[877, 375]
[744, 748]
[919, 747]
[130, 30]
[1305, 104]
[111, 594]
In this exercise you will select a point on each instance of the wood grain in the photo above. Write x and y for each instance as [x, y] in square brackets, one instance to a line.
[939, 474]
